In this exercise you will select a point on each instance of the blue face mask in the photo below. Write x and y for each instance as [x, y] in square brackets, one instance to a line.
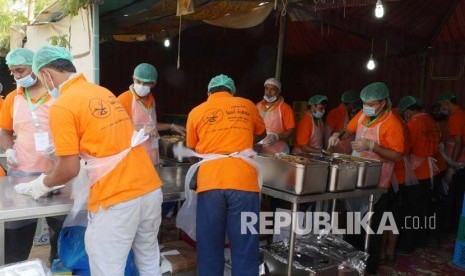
[269, 99]
[27, 81]
[318, 115]
[369, 111]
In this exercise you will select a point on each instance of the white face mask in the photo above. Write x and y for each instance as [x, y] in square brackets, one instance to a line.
[55, 92]
[27, 81]
[141, 90]
[269, 99]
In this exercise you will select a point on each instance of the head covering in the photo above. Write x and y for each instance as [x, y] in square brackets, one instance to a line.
[274, 82]
[350, 97]
[317, 99]
[376, 91]
[222, 80]
[406, 102]
[445, 96]
[146, 72]
[48, 53]
[20, 56]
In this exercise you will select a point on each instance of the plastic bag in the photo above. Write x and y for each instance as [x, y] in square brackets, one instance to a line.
[30, 267]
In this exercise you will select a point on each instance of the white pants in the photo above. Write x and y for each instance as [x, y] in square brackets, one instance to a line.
[112, 232]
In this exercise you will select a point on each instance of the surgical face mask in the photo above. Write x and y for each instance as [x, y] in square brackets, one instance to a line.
[27, 81]
[141, 90]
[269, 99]
[318, 114]
[369, 111]
[55, 92]
[445, 111]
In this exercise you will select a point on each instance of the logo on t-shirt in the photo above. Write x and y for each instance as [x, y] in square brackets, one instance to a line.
[99, 108]
[212, 116]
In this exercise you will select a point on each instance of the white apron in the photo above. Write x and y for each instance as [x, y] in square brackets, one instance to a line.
[274, 124]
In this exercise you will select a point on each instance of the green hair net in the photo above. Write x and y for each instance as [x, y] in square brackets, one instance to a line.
[317, 99]
[445, 96]
[48, 53]
[350, 97]
[20, 56]
[376, 91]
[222, 80]
[146, 72]
[406, 102]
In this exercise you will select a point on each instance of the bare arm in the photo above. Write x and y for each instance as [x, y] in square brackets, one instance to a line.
[6, 139]
[286, 134]
[66, 168]
[457, 147]
[388, 154]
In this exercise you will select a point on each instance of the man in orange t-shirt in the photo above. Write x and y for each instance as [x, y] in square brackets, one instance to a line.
[125, 197]
[339, 117]
[455, 151]
[379, 135]
[424, 147]
[228, 186]
[278, 117]
[310, 130]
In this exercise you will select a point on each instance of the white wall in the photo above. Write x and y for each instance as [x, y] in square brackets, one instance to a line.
[79, 31]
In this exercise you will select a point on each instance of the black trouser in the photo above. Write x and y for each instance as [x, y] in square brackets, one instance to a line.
[18, 242]
[455, 198]
[437, 208]
[54, 227]
[414, 207]
[386, 202]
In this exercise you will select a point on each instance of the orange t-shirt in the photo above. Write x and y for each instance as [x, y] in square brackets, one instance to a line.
[126, 101]
[425, 141]
[1, 102]
[6, 112]
[456, 122]
[224, 124]
[336, 118]
[287, 114]
[304, 130]
[88, 119]
[392, 135]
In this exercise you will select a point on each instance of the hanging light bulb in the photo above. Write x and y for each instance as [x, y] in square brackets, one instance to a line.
[371, 63]
[379, 10]
[167, 42]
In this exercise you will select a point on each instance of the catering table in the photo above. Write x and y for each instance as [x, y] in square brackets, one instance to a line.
[14, 206]
[297, 199]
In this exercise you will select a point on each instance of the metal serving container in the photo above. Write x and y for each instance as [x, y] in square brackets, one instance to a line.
[294, 178]
[369, 171]
[166, 145]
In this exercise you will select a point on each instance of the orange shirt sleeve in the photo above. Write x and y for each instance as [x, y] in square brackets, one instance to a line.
[304, 130]
[191, 132]
[334, 119]
[393, 134]
[353, 124]
[126, 101]
[64, 131]
[6, 112]
[288, 116]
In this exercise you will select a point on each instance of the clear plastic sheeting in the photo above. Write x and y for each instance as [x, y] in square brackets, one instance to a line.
[33, 267]
[315, 253]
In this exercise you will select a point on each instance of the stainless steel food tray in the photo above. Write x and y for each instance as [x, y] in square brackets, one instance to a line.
[343, 177]
[369, 171]
[293, 177]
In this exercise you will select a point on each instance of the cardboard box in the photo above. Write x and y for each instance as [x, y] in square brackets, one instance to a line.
[178, 256]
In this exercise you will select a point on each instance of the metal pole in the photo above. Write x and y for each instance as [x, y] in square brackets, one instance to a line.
[96, 40]
[370, 209]
[282, 36]
[333, 212]
[290, 259]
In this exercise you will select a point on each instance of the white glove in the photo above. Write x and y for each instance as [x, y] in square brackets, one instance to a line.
[449, 174]
[179, 129]
[11, 158]
[270, 139]
[333, 140]
[35, 188]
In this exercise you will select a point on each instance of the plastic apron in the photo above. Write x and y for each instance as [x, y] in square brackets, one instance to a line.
[146, 118]
[416, 161]
[274, 124]
[187, 215]
[371, 133]
[316, 139]
[344, 146]
[94, 169]
[33, 136]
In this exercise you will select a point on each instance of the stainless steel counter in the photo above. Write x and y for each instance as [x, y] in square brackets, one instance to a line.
[14, 206]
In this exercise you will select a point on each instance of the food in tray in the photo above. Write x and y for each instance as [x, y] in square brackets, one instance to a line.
[293, 159]
[173, 138]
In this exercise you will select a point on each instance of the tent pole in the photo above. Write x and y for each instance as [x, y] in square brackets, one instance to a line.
[96, 40]
[282, 36]
[423, 57]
